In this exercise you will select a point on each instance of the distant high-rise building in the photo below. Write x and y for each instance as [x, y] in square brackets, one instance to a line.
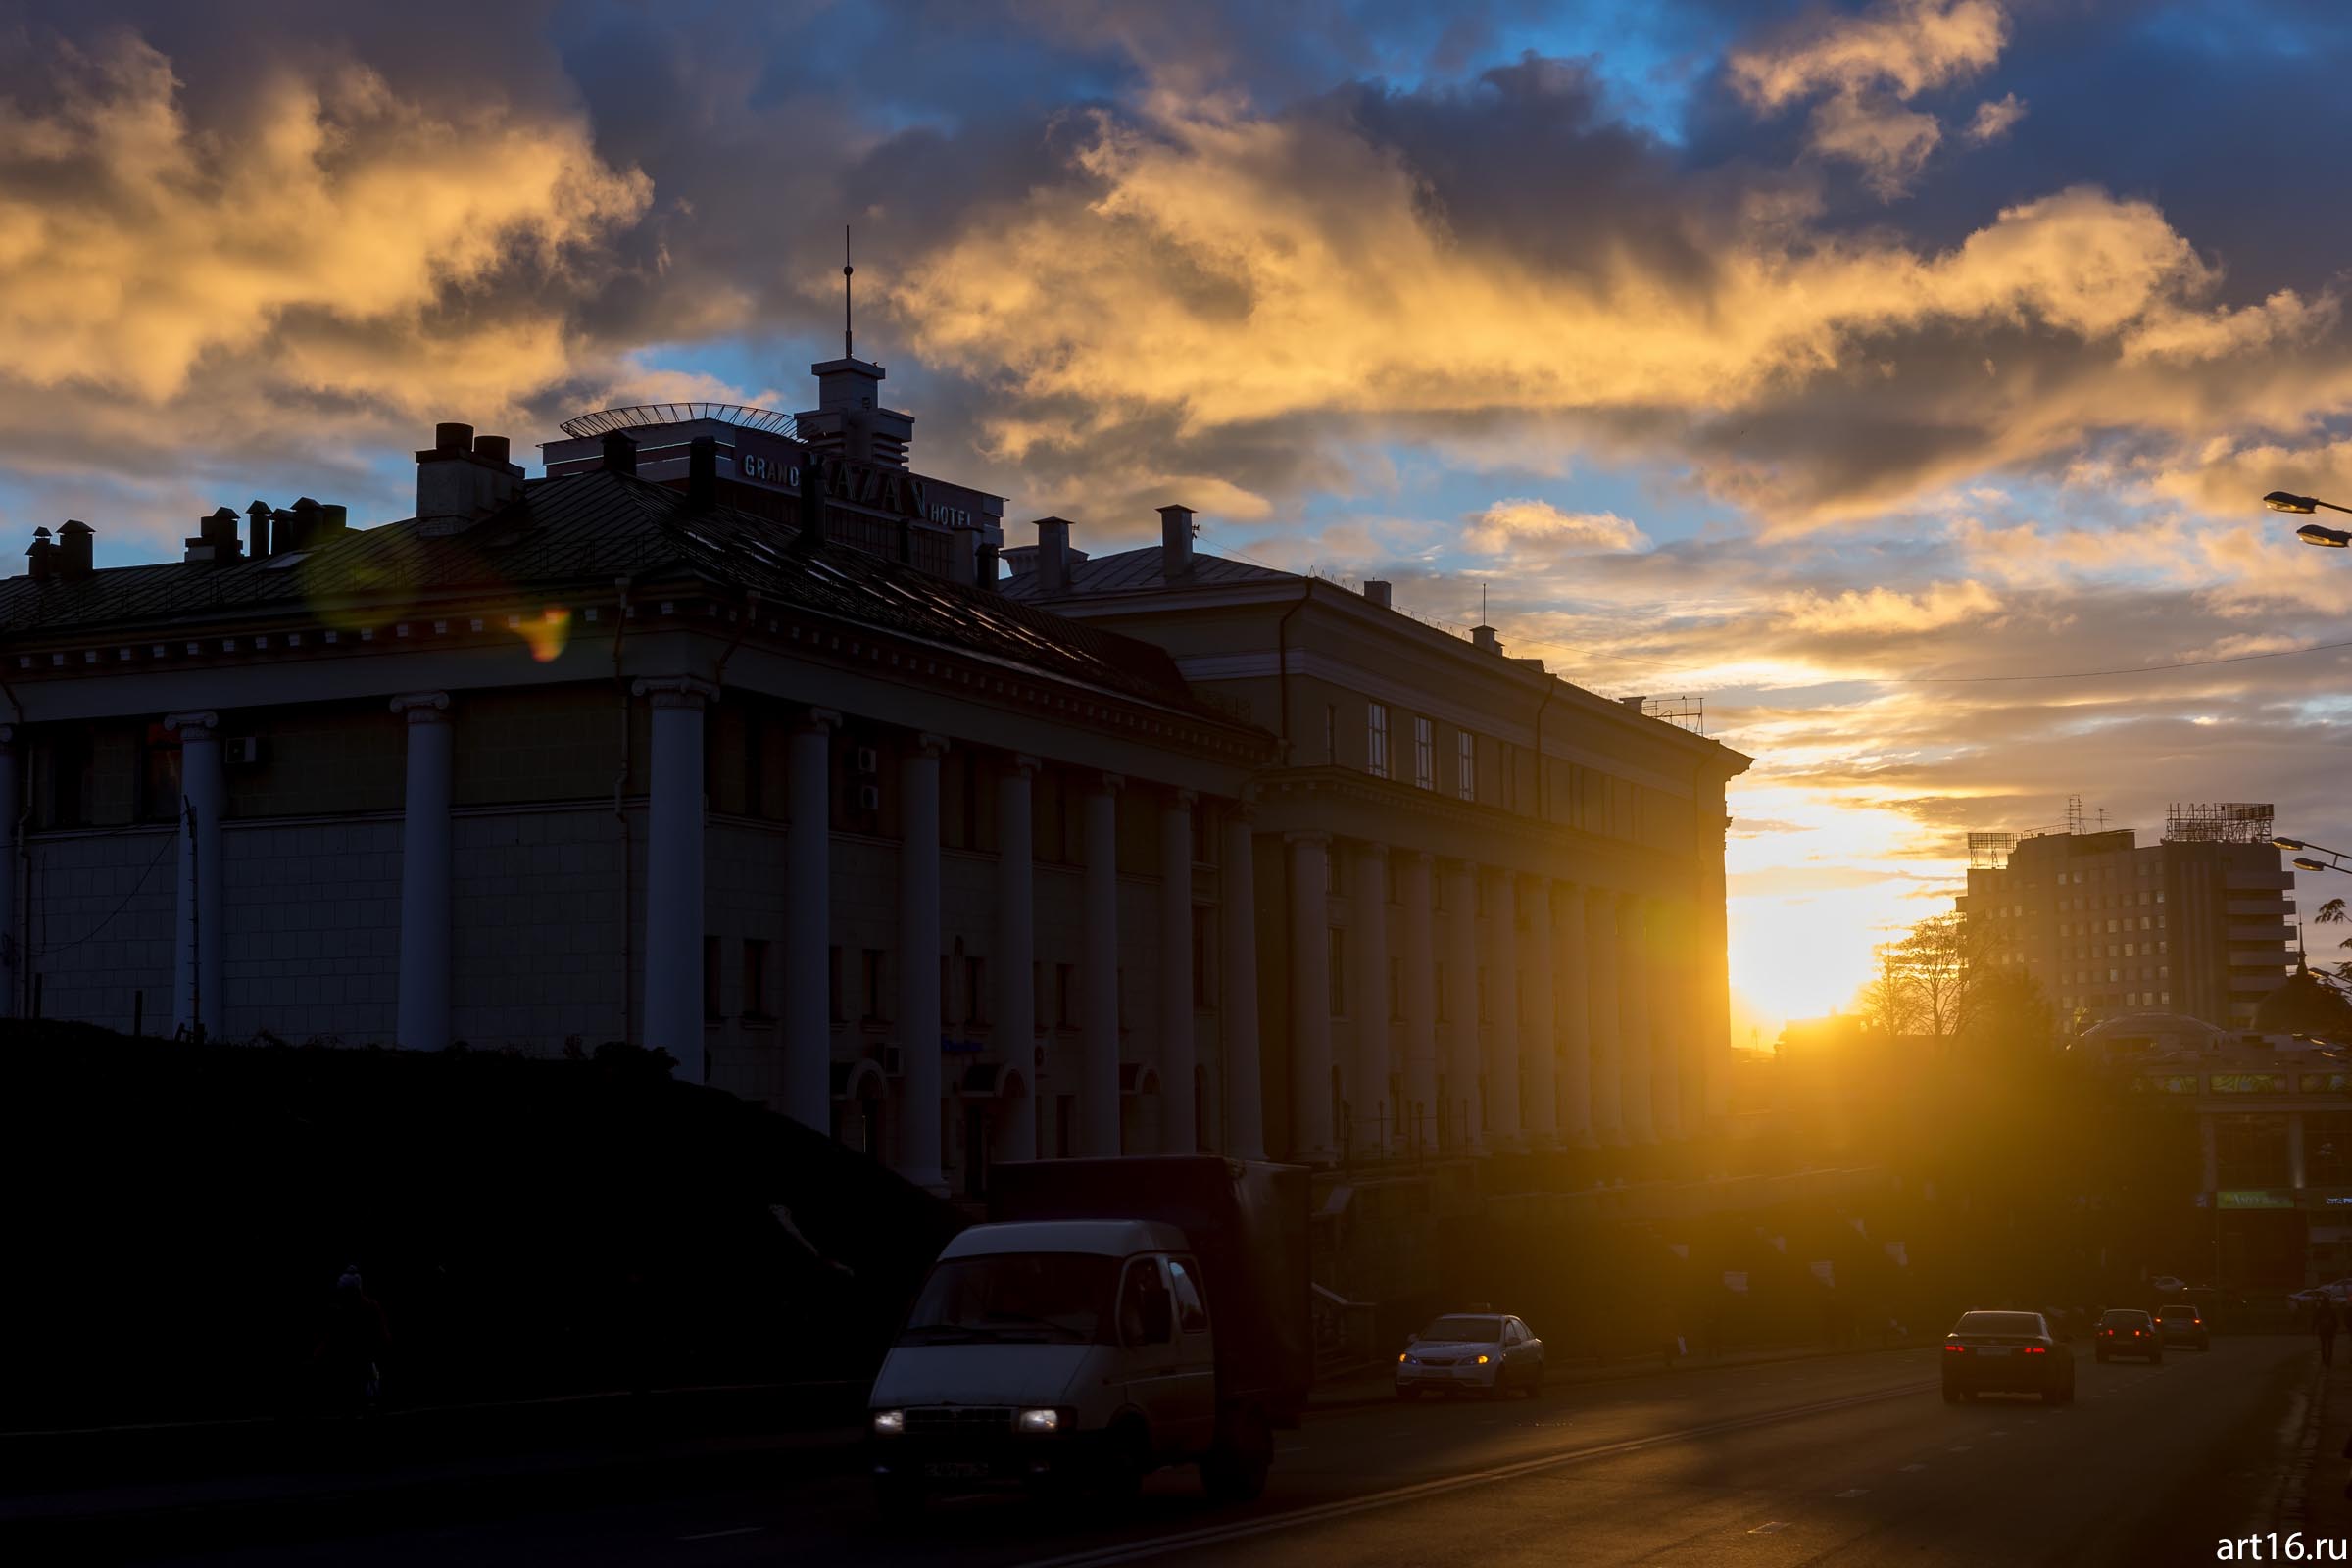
[2195, 923]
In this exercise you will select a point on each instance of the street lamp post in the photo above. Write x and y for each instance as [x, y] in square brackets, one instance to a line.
[2306, 862]
[2311, 533]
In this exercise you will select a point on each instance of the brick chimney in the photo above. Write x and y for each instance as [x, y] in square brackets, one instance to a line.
[40, 557]
[216, 542]
[461, 479]
[1175, 542]
[621, 452]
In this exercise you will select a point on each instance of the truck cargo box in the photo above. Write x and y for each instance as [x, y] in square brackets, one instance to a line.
[1249, 1228]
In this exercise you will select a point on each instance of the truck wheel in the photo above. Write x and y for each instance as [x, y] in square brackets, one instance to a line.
[1234, 1470]
[1126, 1460]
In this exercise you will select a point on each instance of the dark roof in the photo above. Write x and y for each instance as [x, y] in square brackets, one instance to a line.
[586, 531]
[2304, 1004]
[1138, 572]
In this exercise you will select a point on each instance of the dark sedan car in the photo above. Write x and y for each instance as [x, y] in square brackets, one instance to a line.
[2006, 1353]
[2123, 1332]
[2180, 1323]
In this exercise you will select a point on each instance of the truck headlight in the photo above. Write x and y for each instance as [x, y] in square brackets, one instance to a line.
[1039, 1421]
[889, 1423]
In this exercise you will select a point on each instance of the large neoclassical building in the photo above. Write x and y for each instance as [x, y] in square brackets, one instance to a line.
[725, 737]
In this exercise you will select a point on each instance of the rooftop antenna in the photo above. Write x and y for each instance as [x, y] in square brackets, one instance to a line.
[1482, 604]
[846, 270]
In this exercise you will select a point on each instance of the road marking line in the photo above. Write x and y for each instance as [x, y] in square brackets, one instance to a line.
[713, 1535]
[1415, 1492]
[1913, 1469]
[1770, 1527]
[1854, 1492]
[1957, 1447]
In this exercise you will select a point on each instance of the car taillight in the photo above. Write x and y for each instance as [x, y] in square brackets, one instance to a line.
[2037, 1350]
[1956, 1349]
[2139, 1334]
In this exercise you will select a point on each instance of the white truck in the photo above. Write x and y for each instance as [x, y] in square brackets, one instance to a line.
[1113, 1317]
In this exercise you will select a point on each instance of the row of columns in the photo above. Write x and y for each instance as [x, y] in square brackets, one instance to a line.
[674, 900]
[1601, 1033]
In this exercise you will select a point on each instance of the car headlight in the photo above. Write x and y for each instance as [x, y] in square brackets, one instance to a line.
[1405, 1359]
[1481, 1361]
[1037, 1421]
[889, 1423]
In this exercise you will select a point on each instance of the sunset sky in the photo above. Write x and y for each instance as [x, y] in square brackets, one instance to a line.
[1854, 367]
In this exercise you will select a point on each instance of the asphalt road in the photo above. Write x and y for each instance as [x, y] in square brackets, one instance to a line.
[1847, 1459]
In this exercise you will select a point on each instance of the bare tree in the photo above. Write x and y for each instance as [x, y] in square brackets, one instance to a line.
[1888, 1001]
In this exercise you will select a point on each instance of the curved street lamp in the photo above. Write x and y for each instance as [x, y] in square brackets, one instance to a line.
[2311, 533]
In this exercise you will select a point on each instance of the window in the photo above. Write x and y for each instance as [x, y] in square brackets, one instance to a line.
[1425, 755]
[1204, 982]
[1066, 999]
[975, 991]
[1190, 1316]
[754, 768]
[1330, 734]
[1376, 739]
[1337, 942]
[1482, 1015]
[1147, 1316]
[833, 985]
[870, 976]
[1396, 989]
[1509, 777]
[755, 979]
[711, 967]
[1465, 775]
[158, 775]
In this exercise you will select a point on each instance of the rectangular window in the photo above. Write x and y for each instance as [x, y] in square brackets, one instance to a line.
[1508, 778]
[1336, 944]
[1330, 734]
[1376, 739]
[1482, 1015]
[1465, 772]
[1204, 934]
[1396, 989]
[755, 768]
[711, 968]
[1425, 755]
[755, 979]
[1063, 1108]
[833, 985]
[870, 977]
[1444, 1003]
[158, 775]
[1065, 996]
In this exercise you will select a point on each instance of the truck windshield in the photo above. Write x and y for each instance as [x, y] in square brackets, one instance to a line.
[1019, 1298]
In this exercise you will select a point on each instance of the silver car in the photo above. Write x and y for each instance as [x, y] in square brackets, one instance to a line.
[1471, 1352]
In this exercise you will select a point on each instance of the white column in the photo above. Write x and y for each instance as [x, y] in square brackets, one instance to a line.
[1576, 1059]
[1464, 1125]
[1539, 1040]
[425, 860]
[808, 1012]
[673, 873]
[1364, 1079]
[1503, 1005]
[1633, 1021]
[1099, 1091]
[1600, 1015]
[1667, 1036]
[196, 972]
[1237, 1015]
[1420, 1110]
[918, 964]
[1310, 997]
[12, 946]
[1015, 1025]
[1176, 1051]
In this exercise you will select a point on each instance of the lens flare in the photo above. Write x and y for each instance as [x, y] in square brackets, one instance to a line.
[548, 635]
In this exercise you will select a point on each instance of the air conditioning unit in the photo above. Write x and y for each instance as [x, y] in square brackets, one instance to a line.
[867, 760]
[241, 750]
[869, 797]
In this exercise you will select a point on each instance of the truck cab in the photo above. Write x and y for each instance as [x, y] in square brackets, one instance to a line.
[1066, 1346]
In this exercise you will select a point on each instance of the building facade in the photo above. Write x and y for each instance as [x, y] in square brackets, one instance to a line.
[1491, 906]
[2196, 923]
[723, 738]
